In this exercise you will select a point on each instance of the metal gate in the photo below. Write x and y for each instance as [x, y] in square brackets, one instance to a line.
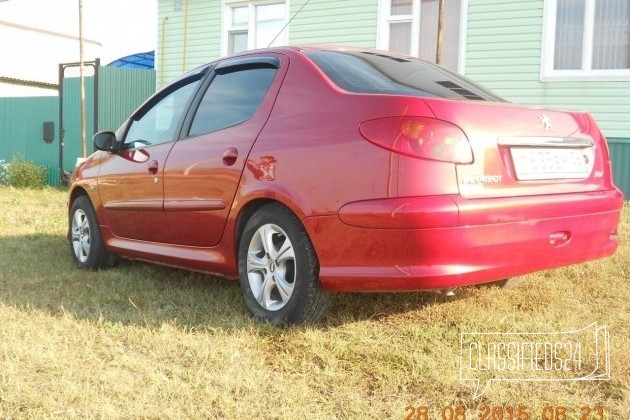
[70, 142]
[111, 94]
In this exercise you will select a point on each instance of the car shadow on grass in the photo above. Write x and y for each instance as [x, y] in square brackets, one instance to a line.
[38, 274]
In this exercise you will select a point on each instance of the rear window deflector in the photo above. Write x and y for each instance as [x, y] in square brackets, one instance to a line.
[245, 63]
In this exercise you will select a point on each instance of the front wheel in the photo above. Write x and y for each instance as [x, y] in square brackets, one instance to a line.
[279, 271]
[86, 242]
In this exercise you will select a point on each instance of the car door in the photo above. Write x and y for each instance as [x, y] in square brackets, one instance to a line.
[204, 167]
[130, 182]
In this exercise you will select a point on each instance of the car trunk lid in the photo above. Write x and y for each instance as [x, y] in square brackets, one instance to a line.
[521, 150]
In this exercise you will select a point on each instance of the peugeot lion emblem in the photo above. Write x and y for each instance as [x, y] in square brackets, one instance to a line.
[546, 122]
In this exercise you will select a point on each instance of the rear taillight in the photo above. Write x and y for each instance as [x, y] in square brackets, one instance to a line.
[419, 137]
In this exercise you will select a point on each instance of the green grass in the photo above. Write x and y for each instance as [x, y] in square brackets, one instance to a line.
[145, 341]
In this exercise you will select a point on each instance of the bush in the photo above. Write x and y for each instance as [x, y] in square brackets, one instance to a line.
[4, 172]
[21, 173]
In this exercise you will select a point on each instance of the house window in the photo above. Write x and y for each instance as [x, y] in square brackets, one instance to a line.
[252, 25]
[586, 40]
[411, 27]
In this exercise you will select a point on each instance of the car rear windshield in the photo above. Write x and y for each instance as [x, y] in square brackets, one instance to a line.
[374, 72]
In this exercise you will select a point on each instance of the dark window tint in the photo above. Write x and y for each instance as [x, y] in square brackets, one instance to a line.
[372, 72]
[231, 99]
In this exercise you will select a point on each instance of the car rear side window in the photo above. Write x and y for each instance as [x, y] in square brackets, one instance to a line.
[379, 73]
[232, 98]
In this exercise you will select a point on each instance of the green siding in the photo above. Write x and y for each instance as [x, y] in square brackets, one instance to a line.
[348, 22]
[320, 22]
[202, 19]
[503, 53]
[21, 131]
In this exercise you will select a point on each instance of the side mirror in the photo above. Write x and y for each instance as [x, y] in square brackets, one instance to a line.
[106, 141]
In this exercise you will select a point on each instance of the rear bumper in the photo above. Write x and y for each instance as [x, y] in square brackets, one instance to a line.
[446, 241]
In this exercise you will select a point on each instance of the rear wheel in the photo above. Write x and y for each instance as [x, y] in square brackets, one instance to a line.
[279, 271]
[86, 242]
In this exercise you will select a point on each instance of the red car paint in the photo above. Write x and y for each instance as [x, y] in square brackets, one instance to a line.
[379, 220]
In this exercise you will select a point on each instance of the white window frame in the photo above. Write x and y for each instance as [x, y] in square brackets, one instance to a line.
[586, 73]
[226, 21]
[385, 18]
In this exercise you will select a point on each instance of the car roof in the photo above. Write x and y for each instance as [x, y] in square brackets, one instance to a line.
[289, 50]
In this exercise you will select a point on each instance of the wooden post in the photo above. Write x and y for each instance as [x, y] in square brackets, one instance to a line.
[82, 81]
[438, 49]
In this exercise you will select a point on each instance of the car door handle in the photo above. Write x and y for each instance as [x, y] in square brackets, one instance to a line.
[153, 167]
[229, 156]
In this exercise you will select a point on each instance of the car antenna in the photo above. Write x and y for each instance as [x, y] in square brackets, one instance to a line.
[287, 24]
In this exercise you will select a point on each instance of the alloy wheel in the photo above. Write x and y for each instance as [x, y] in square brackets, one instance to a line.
[81, 235]
[271, 267]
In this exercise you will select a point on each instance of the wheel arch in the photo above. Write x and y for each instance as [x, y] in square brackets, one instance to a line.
[249, 209]
[89, 190]
[75, 193]
[245, 213]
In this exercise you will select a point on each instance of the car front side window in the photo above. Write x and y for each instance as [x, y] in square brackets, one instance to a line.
[159, 124]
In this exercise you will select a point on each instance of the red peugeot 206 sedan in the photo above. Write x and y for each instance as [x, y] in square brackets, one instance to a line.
[303, 171]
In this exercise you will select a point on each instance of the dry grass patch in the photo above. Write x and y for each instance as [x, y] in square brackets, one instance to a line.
[146, 341]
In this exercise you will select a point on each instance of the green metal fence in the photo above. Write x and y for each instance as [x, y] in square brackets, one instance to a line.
[21, 132]
[620, 159]
[71, 147]
[120, 91]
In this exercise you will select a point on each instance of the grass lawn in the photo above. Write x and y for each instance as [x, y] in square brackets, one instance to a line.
[145, 341]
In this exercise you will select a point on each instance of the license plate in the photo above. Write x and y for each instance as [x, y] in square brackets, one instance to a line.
[549, 163]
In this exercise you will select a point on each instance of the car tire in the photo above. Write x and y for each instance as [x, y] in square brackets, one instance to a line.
[86, 242]
[279, 270]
